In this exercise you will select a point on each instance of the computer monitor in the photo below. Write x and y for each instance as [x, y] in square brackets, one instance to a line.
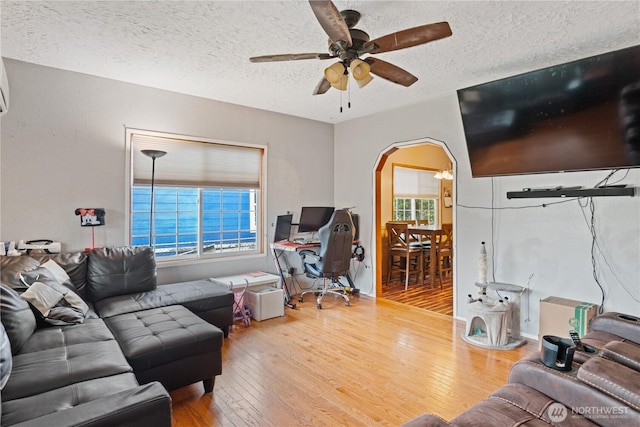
[283, 227]
[314, 217]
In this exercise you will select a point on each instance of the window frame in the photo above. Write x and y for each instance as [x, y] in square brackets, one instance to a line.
[261, 220]
[437, 198]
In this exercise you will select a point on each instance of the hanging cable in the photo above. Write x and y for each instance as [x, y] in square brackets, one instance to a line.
[592, 227]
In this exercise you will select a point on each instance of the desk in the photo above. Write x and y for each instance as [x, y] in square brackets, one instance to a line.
[430, 233]
[279, 248]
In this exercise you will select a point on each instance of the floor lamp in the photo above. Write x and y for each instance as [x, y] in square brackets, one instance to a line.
[154, 154]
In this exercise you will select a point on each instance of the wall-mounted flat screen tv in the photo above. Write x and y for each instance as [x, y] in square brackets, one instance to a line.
[582, 115]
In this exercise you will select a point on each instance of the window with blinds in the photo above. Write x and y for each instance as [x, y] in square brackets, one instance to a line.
[415, 194]
[207, 196]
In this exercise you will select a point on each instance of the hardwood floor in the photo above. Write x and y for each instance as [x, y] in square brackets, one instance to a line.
[422, 296]
[376, 362]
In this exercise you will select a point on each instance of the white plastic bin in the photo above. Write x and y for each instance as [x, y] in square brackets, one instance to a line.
[265, 303]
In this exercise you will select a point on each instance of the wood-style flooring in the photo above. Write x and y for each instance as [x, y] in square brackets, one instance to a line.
[376, 362]
[422, 296]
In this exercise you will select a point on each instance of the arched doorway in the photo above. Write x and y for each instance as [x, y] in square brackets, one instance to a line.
[426, 156]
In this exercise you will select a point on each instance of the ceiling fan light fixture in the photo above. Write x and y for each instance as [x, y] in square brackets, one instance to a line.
[335, 73]
[360, 71]
[342, 83]
[363, 82]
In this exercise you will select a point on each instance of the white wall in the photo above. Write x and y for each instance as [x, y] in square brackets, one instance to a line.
[63, 147]
[553, 243]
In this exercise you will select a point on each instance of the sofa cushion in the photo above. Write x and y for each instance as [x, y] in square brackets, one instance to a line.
[623, 325]
[624, 353]
[12, 266]
[91, 331]
[74, 264]
[196, 295]
[511, 405]
[120, 271]
[103, 402]
[17, 318]
[60, 399]
[45, 370]
[49, 271]
[618, 381]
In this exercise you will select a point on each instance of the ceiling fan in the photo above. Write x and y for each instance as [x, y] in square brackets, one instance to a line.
[348, 44]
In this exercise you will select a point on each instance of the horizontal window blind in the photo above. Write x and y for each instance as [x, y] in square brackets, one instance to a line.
[195, 163]
[413, 183]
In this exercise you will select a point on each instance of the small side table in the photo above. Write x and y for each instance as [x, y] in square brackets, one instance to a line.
[239, 284]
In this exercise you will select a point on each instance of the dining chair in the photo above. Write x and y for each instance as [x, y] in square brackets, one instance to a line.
[444, 252]
[402, 257]
[430, 242]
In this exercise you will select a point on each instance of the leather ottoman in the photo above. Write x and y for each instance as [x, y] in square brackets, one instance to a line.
[170, 345]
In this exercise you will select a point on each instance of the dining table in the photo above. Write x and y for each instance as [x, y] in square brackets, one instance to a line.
[426, 233]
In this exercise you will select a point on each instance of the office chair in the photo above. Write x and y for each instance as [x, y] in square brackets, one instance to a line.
[333, 259]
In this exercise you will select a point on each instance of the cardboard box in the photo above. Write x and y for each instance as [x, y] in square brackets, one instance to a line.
[265, 303]
[558, 316]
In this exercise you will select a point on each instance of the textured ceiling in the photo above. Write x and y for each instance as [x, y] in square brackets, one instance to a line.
[202, 48]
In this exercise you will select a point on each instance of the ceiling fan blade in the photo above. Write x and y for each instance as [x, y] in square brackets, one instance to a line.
[331, 21]
[322, 87]
[391, 72]
[290, 57]
[410, 37]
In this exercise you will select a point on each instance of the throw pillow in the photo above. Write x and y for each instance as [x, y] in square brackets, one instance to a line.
[49, 272]
[73, 263]
[12, 266]
[57, 304]
[119, 271]
[17, 318]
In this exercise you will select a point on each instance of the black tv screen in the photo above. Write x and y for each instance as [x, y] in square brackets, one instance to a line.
[582, 115]
[314, 217]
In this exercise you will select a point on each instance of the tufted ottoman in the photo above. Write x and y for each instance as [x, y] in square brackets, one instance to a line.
[170, 345]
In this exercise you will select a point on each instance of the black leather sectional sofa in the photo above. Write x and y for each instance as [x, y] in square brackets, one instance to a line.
[90, 339]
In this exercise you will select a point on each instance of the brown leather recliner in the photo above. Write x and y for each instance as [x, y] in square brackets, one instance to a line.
[601, 389]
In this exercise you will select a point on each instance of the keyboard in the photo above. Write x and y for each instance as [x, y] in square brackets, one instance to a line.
[306, 241]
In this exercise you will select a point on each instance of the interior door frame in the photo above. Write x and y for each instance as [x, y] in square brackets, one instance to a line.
[381, 161]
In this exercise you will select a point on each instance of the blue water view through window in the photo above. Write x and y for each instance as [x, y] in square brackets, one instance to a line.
[195, 221]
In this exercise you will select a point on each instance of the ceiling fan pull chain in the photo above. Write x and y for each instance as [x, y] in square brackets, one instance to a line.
[341, 101]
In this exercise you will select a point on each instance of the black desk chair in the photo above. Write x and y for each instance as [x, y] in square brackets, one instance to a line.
[334, 257]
